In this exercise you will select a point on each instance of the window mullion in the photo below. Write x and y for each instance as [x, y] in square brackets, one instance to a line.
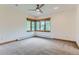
[40, 25]
[31, 25]
[44, 25]
[35, 25]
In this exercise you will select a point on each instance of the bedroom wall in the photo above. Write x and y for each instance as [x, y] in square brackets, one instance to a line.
[12, 24]
[62, 26]
[77, 26]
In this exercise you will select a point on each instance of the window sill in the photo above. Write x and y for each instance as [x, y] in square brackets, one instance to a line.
[38, 31]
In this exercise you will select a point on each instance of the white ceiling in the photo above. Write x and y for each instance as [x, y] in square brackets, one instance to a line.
[48, 9]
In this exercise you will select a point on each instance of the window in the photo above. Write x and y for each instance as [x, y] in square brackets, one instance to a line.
[33, 25]
[48, 25]
[38, 25]
[42, 25]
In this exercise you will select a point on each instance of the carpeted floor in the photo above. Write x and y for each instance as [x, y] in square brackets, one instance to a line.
[39, 46]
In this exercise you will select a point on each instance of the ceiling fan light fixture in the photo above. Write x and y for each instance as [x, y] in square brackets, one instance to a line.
[37, 10]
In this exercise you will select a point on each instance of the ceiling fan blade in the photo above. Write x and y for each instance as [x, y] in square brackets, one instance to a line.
[40, 11]
[41, 5]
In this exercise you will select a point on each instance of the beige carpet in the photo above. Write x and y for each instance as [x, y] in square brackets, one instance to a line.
[39, 46]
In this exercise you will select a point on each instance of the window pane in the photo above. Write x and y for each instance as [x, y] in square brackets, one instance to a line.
[28, 25]
[48, 25]
[37, 25]
[42, 25]
[33, 25]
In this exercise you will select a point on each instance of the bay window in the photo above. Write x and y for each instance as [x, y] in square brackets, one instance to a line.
[41, 25]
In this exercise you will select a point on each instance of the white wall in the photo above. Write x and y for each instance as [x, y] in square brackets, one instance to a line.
[62, 26]
[43, 34]
[77, 26]
[12, 24]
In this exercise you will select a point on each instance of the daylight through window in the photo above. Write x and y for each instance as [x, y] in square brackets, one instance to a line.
[41, 25]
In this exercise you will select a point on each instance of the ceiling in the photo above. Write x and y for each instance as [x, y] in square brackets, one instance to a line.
[47, 9]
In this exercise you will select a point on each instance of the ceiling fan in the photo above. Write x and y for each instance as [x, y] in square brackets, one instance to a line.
[38, 8]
